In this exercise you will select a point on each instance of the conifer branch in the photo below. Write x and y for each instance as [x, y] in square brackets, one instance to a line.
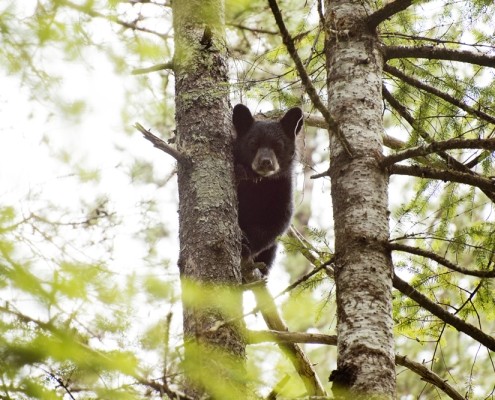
[416, 38]
[438, 53]
[450, 319]
[298, 337]
[161, 144]
[450, 162]
[404, 113]
[154, 68]
[487, 185]
[444, 96]
[435, 147]
[429, 376]
[99, 356]
[426, 374]
[440, 260]
[386, 12]
[306, 80]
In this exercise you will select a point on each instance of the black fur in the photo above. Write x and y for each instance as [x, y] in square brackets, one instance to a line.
[264, 153]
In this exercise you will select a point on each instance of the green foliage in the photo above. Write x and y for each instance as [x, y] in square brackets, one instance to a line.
[63, 322]
[78, 320]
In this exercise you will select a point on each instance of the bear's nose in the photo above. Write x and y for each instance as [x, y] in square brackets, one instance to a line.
[266, 163]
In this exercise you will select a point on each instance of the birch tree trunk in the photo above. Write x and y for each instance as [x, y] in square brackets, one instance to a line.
[208, 230]
[363, 271]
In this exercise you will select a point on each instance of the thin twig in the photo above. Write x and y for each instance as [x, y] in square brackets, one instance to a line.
[321, 174]
[444, 96]
[444, 315]
[306, 80]
[419, 369]
[429, 376]
[254, 30]
[450, 161]
[60, 383]
[417, 38]
[440, 260]
[154, 68]
[255, 337]
[161, 144]
[92, 13]
[435, 147]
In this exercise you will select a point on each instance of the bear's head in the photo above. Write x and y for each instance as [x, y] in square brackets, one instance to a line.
[266, 147]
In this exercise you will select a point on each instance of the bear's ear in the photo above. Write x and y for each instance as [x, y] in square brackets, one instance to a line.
[292, 121]
[242, 119]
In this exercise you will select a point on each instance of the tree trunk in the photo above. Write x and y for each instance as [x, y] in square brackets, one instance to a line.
[209, 235]
[363, 272]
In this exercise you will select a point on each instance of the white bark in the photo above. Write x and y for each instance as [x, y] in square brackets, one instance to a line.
[363, 274]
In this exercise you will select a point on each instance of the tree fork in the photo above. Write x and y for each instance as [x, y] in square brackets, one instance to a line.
[363, 267]
[209, 235]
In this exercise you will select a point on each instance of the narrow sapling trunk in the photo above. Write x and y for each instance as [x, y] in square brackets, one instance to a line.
[209, 259]
[363, 272]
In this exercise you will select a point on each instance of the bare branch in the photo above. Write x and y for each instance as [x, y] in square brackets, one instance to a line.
[432, 40]
[321, 174]
[293, 351]
[305, 79]
[484, 184]
[429, 376]
[92, 13]
[421, 370]
[255, 337]
[444, 96]
[440, 260]
[438, 311]
[154, 68]
[60, 383]
[254, 30]
[163, 388]
[438, 53]
[160, 144]
[386, 12]
[435, 147]
[302, 337]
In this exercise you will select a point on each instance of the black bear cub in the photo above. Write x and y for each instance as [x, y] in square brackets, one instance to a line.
[264, 153]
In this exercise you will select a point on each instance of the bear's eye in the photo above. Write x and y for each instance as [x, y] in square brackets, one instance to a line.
[278, 146]
[253, 144]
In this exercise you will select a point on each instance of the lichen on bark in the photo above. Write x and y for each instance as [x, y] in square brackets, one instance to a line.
[363, 272]
[209, 235]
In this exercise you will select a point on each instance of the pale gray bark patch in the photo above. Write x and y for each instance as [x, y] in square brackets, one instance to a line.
[363, 274]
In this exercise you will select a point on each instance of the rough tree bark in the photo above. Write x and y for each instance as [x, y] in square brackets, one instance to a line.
[208, 231]
[363, 268]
